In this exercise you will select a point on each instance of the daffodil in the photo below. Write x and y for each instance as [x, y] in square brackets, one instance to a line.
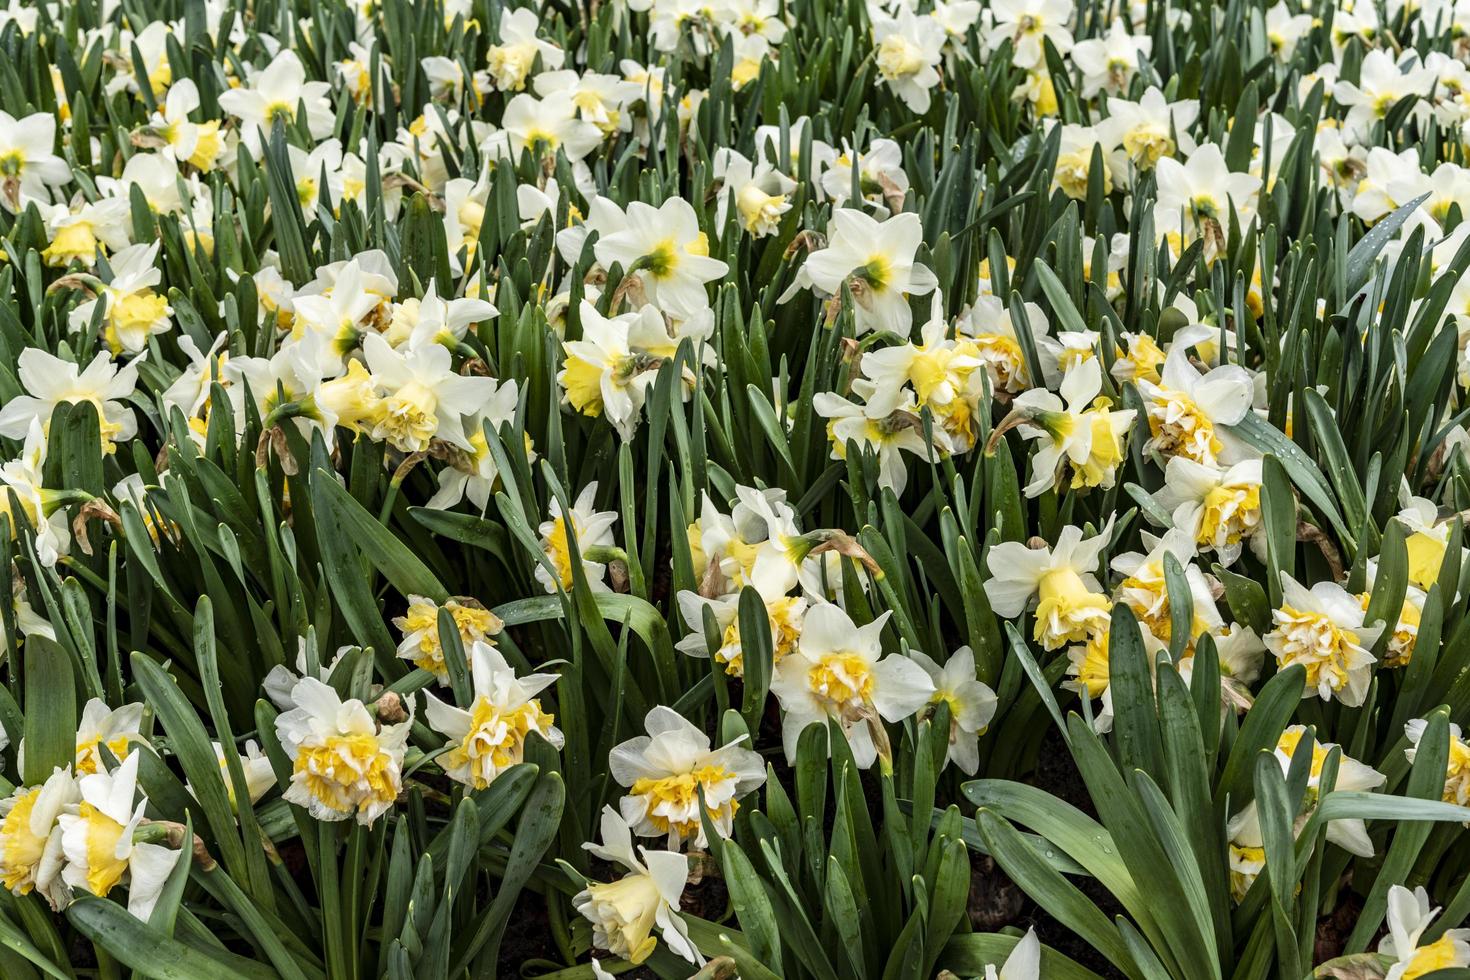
[30, 837]
[609, 371]
[875, 260]
[28, 165]
[1027, 24]
[909, 48]
[971, 704]
[1070, 602]
[1221, 508]
[936, 368]
[49, 381]
[1323, 630]
[665, 249]
[421, 643]
[1196, 199]
[1426, 541]
[1457, 767]
[275, 94]
[858, 179]
[1109, 63]
[545, 125]
[116, 728]
[666, 771]
[887, 434]
[1152, 128]
[133, 309]
[98, 841]
[260, 775]
[590, 529]
[489, 736]
[990, 325]
[773, 577]
[625, 913]
[343, 764]
[761, 194]
[837, 672]
[22, 482]
[1186, 409]
[1409, 916]
[1084, 435]
[423, 398]
[728, 548]
[1023, 962]
[510, 60]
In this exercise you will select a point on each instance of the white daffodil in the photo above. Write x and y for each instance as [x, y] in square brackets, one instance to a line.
[600, 99]
[1084, 434]
[338, 314]
[837, 672]
[28, 165]
[1144, 587]
[436, 320]
[1186, 409]
[1247, 845]
[761, 194]
[1427, 540]
[936, 367]
[668, 253]
[1323, 630]
[22, 480]
[590, 529]
[625, 913]
[1409, 916]
[421, 644]
[887, 435]
[1073, 172]
[1284, 29]
[772, 576]
[1027, 24]
[510, 61]
[609, 371]
[98, 840]
[133, 310]
[873, 177]
[423, 396]
[260, 775]
[875, 259]
[1152, 128]
[1071, 604]
[1220, 508]
[544, 125]
[199, 144]
[274, 94]
[1352, 776]
[49, 381]
[1196, 198]
[1457, 768]
[1023, 962]
[909, 48]
[490, 735]
[342, 763]
[1382, 83]
[77, 236]
[726, 549]
[1404, 636]
[473, 474]
[666, 770]
[1109, 63]
[992, 328]
[971, 704]
[30, 837]
[116, 728]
